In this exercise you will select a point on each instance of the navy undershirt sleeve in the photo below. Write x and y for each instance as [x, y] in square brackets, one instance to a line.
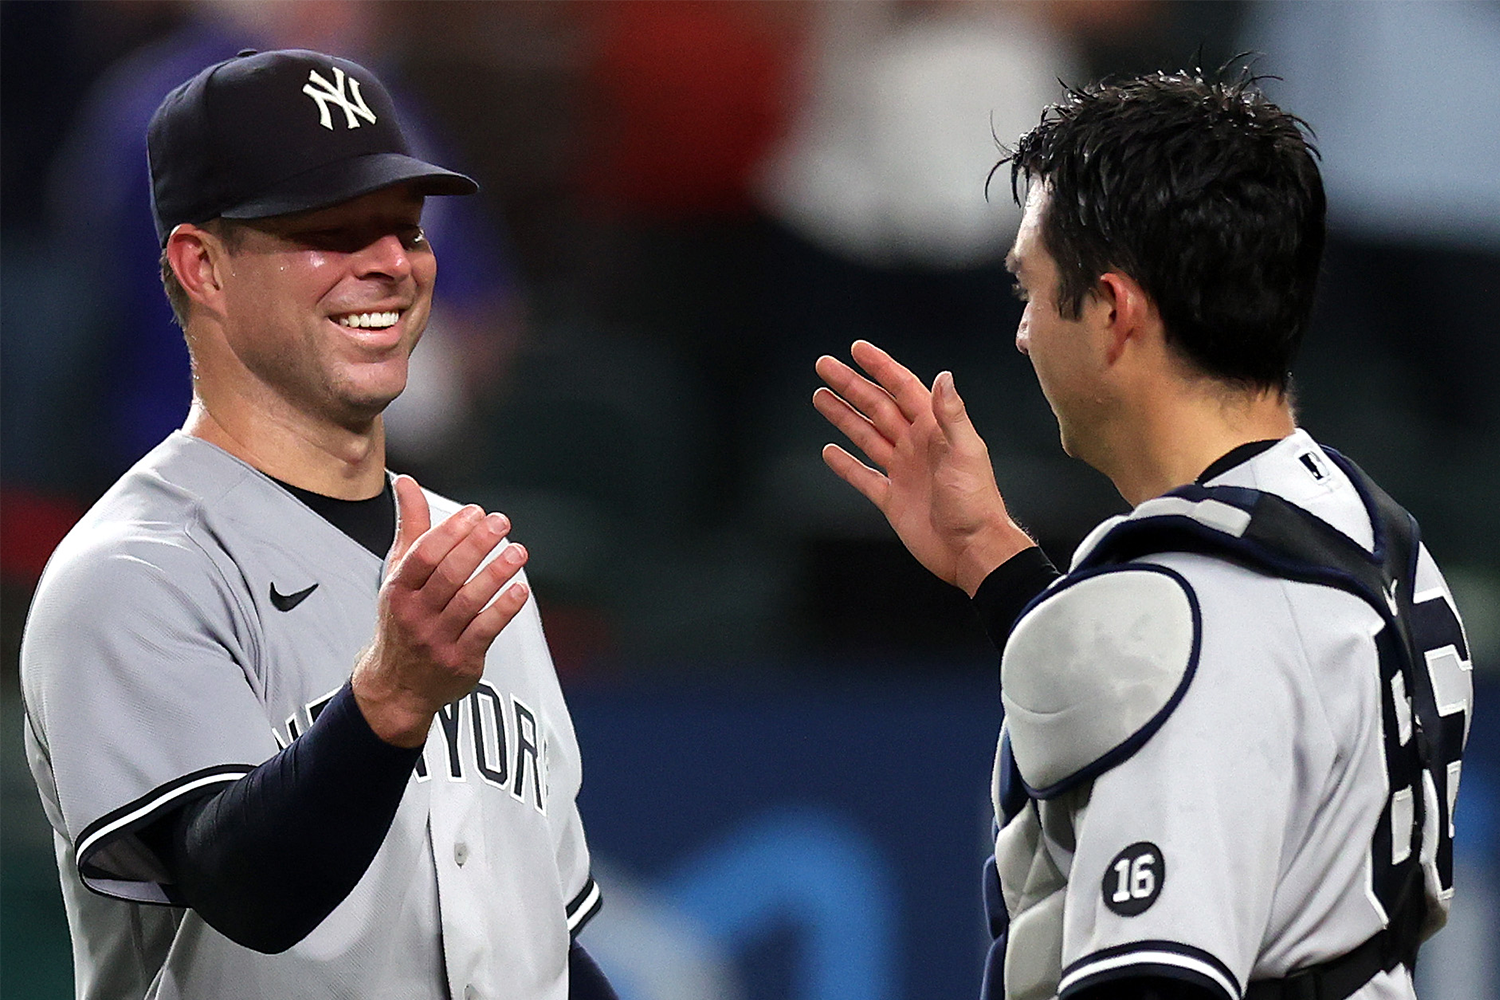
[1146, 988]
[1005, 593]
[266, 859]
[586, 980]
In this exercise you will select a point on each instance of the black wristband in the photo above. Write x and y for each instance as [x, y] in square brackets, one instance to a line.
[1012, 585]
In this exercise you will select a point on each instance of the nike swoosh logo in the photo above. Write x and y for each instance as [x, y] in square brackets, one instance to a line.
[286, 602]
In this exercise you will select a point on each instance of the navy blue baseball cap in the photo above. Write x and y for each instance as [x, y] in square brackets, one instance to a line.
[267, 133]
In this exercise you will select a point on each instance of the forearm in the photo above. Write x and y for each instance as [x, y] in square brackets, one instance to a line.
[268, 858]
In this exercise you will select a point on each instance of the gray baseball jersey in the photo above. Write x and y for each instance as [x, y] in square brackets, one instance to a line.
[192, 624]
[1218, 741]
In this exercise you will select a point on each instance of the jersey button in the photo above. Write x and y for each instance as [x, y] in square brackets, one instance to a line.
[460, 855]
[471, 992]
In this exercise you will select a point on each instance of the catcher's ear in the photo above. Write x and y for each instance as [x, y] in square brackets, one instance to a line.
[1127, 309]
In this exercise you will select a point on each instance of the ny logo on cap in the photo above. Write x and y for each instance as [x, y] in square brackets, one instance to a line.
[333, 93]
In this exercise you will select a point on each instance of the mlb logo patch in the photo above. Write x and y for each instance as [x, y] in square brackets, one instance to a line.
[1314, 464]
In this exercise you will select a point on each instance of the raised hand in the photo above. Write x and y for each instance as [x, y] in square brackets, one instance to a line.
[934, 481]
[437, 613]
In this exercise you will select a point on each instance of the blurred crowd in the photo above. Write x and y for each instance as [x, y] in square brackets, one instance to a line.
[685, 204]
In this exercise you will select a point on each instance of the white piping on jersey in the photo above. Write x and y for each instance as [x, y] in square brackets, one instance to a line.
[585, 908]
[1147, 956]
[87, 846]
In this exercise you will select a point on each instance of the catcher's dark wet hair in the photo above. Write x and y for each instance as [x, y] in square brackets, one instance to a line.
[1201, 190]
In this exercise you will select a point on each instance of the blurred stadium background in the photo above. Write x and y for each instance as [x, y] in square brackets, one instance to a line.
[787, 726]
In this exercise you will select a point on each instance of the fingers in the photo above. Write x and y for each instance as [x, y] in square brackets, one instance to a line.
[481, 588]
[422, 558]
[875, 487]
[492, 620]
[897, 380]
[459, 564]
[872, 402]
[441, 607]
[855, 426]
[443, 597]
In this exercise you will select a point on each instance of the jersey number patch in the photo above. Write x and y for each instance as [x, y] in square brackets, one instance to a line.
[1134, 879]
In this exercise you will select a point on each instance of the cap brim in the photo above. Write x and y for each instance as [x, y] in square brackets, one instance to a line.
[339, 182]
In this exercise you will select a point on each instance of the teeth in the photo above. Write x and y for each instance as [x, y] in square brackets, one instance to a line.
[370, 321]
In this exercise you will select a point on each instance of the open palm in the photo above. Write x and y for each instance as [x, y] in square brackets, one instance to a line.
[933, 481]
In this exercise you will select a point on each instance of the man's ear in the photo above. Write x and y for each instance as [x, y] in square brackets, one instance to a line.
[199, 259]
[1126, 309]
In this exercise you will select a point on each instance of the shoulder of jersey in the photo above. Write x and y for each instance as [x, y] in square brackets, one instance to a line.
[1093, 670]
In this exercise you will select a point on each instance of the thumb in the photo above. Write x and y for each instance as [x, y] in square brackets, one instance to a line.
[412, 516]
[953, 417]
[947, 407]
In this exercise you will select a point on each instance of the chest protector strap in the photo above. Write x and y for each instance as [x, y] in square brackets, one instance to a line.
[1282, 540]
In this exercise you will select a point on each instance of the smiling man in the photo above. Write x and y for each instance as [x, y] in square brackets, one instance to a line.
[1233, 729]
[292, 718]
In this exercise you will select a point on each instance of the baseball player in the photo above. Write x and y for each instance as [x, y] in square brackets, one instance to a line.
[293, 719]
[1233, 728]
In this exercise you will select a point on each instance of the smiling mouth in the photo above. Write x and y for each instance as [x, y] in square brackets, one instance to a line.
[369, 320]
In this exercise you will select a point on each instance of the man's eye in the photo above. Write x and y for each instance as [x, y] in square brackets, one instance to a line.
[353, 240]
[330, 240]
